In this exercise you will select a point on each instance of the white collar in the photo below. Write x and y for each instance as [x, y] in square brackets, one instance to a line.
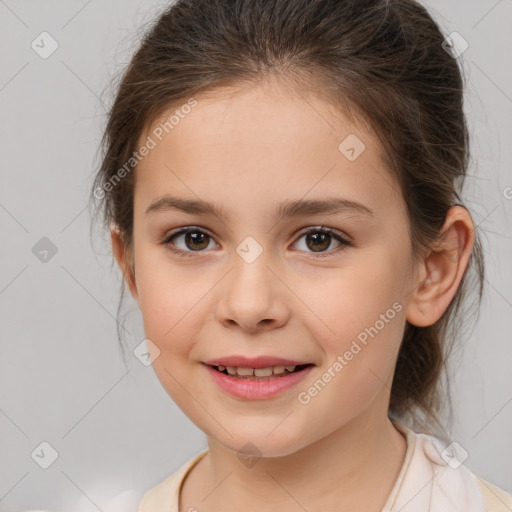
[429, 482]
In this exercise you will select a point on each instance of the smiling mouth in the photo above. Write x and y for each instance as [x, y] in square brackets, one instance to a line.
[269, 373]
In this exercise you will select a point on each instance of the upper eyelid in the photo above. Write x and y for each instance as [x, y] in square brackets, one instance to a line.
[187, 229]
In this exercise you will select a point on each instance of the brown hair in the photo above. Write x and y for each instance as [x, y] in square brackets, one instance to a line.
[381, 62]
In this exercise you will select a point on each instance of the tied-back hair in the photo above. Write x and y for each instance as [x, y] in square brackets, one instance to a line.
[382, 63]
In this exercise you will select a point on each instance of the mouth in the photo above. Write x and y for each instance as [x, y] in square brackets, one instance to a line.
[266, 382]
[267, 373]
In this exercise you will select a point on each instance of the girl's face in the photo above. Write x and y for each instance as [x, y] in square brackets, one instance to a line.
[250, 281]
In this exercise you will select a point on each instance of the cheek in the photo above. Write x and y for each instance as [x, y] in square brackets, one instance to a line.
[349, 302]
[169, 315]
[173, 316]
[359, 329]
[170, 301]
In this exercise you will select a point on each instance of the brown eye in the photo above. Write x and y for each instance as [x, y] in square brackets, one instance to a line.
[318, 240]
[187, 241]
[196, 240]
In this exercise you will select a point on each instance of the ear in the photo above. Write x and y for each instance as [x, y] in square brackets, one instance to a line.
[441, 272]
[124, 258]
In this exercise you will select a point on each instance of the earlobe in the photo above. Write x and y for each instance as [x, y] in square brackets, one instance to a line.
[124, 258]
[442, 269]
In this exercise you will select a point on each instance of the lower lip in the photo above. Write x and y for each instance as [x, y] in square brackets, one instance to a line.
[257, 389]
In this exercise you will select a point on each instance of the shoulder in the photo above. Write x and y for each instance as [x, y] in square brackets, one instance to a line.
[454, 485]
[495, 499]
[163, 497]
[161, 493]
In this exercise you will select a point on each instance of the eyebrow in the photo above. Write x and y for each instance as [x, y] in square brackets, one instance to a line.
[284, 210]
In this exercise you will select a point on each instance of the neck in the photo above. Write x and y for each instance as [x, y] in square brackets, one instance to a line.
[354, 468]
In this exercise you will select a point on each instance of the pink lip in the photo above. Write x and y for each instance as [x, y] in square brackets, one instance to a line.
[255, 362]
[256, 389]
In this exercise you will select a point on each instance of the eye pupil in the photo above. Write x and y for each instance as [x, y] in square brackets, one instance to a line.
[196, 237]
[318, 240]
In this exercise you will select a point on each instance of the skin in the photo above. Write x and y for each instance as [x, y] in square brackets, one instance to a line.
[248, 150]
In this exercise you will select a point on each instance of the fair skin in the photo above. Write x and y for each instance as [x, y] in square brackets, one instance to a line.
[248, 151]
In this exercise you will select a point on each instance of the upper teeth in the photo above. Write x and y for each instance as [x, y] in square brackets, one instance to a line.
[258, 372]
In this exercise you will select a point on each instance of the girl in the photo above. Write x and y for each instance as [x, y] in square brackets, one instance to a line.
[281, 180]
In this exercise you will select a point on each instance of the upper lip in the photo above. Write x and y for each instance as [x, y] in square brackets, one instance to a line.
[254, 362]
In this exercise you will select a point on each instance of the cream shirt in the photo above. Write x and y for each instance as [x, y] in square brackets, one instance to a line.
[429, 481]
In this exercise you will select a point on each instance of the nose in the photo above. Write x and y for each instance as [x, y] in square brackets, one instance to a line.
[252, 297]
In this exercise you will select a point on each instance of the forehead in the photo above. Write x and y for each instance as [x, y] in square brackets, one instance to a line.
[267, 140]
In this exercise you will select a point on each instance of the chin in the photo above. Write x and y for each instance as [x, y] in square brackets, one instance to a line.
[258, 443]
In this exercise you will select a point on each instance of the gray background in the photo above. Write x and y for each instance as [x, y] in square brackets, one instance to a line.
[62, 378]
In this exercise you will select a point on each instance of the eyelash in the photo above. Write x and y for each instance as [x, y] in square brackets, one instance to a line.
[192, 229]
